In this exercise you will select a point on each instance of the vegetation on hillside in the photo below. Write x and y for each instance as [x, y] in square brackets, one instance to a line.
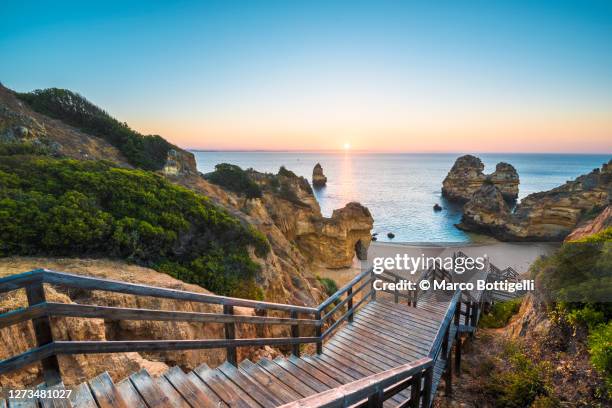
[500, 313]
[233, 178]
[145, 152]
[65, 207]
[576, 283]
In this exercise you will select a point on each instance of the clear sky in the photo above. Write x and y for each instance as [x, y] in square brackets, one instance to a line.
[457, 76]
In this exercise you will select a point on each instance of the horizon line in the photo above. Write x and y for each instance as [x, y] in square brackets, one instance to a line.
[388, 151]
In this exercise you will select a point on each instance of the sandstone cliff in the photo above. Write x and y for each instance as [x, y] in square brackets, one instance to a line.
[467, 176]
[593, 226]
[545, 216]
[318, 178]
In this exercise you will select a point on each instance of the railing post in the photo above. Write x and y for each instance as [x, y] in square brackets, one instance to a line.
[260, 329]
[445, 344]
[415, 390]
[468, 308]
[318, 331]
[427, 387]
[395, 293]
[230, 334]
[458, 354]
[448, 377]
[295, 333]
[376, 400]
[35, 293]
[372, 290]
[349, 304]
[458, 315]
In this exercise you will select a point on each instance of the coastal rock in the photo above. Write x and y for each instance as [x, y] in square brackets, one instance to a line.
[437, 207]
[506, 179]
[486, 211]
[179, 163]
[318, 178]
[466, 176]
[593, 226]
[544, 216]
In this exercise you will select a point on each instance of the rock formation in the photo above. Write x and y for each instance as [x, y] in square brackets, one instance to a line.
[545, 216]
[318, 178]
[593, 226]
[466, 176]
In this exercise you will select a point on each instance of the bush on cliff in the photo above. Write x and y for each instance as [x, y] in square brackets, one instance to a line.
[233, 178]
[500, 313]
[146, 152]
[576, 284]
[67, 207]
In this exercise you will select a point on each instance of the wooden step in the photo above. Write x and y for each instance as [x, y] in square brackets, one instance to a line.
[152, 395]
[225, 389]
[105, 392]
[196, 395]
[82, 397]
[269, 381]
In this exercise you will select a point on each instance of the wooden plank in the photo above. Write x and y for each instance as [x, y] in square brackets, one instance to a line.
[302, 374]
[226, 390]
[391, 344]
[86, 282]
[202, 385]
[317, 373]
[22, 403]
[360, 355]
[54, 402]
[18, 281]
[130, 395]
[195, 395]
[149, 391]
[332, 371]
[408, 333]
[119, 346]
[356, 361]
[373, 348]
[402, 311]
[81, 397]
[331, 356]
[252, 388]
[173, 396]
[285, 377]
[121, 313]
[404, 321]
[105, 392]
[267, 380]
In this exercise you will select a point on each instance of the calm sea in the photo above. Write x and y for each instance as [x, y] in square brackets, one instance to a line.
[401, 189]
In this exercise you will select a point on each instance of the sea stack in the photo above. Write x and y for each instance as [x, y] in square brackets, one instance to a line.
[318, 178]
[467, 176]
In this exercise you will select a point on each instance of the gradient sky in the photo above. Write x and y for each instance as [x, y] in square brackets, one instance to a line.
[428, 76]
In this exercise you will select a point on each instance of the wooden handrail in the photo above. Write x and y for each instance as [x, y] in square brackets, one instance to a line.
[371, 388]
[343, 290]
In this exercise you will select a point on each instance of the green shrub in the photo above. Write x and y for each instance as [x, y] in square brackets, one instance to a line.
[146, 152]
[522, 385]
[329, 285]
[234, 179]
[600, 349]
[88, 208]
[500, 313]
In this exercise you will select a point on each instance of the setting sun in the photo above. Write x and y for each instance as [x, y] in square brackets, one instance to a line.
[346, 146]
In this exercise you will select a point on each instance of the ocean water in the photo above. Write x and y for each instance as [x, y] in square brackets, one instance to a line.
[401, 189]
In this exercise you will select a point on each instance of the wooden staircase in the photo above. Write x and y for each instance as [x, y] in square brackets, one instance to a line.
[375, 350]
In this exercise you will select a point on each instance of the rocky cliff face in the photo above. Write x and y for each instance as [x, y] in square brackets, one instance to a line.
[318, 178]
[593, 226]
[467, 176]
[545, 216]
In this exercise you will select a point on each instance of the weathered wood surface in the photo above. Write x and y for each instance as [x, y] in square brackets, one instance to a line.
[378, 350]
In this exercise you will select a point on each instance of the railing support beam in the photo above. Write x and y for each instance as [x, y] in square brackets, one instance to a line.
[230, 334]
[35, 293]
[427, 388]
[349, 306]
[295, 332]
[318, 333]
[415, 390]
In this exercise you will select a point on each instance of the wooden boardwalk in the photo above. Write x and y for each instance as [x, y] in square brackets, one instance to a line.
[376, 352]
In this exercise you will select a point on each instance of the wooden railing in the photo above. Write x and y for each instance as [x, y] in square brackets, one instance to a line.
[39, 311]
[373, 390]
